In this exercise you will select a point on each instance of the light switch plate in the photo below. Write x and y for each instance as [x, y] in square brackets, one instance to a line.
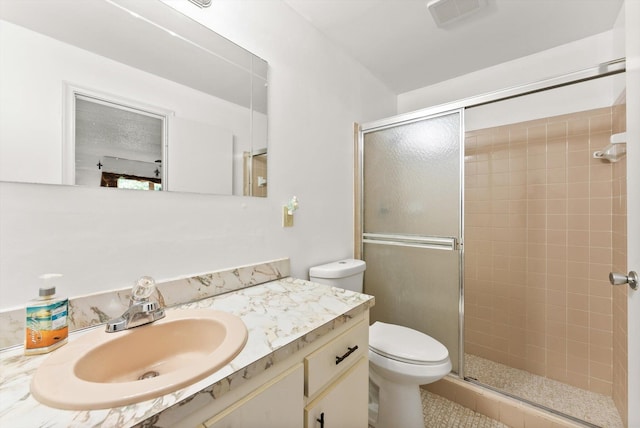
[287, 219]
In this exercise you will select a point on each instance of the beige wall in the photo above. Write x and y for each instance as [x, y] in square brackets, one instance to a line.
[538, 248]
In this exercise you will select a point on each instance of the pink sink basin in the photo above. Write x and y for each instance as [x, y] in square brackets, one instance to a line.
[102, 370]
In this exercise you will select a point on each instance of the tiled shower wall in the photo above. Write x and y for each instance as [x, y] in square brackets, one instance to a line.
[538, 248]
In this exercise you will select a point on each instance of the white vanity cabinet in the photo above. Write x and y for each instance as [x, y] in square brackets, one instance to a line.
[277, 404]
[324, 385]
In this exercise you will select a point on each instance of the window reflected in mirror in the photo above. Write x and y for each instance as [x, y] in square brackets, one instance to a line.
[137, 183]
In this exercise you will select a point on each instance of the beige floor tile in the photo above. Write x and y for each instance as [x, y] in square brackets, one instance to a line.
[588, 406]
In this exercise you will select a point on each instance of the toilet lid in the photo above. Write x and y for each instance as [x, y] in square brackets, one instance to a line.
[405, 344]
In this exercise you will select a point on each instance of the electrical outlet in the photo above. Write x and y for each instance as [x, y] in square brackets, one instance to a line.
[287, 219]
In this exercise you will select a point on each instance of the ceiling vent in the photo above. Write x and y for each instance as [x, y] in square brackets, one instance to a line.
[447, 11]
[201, 3]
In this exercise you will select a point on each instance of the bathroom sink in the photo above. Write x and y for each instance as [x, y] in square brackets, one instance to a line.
[102, 370]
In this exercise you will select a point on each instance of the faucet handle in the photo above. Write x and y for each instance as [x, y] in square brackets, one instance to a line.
[144, 287]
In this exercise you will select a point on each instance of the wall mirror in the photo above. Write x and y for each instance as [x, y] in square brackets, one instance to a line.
[128, 94]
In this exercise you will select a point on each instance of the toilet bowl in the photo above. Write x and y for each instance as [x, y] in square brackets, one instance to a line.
[400, 360]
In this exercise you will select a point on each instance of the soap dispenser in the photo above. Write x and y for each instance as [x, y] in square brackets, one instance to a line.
[47, 325]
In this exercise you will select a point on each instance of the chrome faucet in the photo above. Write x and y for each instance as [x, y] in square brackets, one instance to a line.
[142, 310]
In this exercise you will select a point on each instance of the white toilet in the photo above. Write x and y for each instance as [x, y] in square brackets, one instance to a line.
[400, 359]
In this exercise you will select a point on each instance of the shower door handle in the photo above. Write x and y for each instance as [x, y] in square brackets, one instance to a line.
[620, 278]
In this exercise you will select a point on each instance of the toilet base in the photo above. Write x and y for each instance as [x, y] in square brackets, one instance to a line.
[399, 404]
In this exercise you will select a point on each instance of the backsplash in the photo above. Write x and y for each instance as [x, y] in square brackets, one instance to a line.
[94, 309]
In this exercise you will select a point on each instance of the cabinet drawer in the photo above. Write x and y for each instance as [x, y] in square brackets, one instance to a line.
[335, 358]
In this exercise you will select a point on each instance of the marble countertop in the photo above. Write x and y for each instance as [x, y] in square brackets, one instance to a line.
[281, 316]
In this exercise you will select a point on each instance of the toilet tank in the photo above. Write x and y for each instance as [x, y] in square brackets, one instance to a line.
[346, 274]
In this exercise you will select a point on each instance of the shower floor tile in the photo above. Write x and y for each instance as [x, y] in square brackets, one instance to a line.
[442, 413]
[589, 406]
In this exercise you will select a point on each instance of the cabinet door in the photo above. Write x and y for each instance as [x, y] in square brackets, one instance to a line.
[277, 404]
[344, 403]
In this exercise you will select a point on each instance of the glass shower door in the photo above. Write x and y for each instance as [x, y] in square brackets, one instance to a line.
[411, 222]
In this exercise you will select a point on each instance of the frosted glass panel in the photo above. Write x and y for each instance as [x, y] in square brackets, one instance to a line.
[416, 288]
[411, 195]
[412, 178]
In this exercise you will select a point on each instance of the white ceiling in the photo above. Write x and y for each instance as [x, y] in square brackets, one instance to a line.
[401, 44]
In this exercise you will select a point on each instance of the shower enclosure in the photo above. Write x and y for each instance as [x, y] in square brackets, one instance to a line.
[517, 290]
